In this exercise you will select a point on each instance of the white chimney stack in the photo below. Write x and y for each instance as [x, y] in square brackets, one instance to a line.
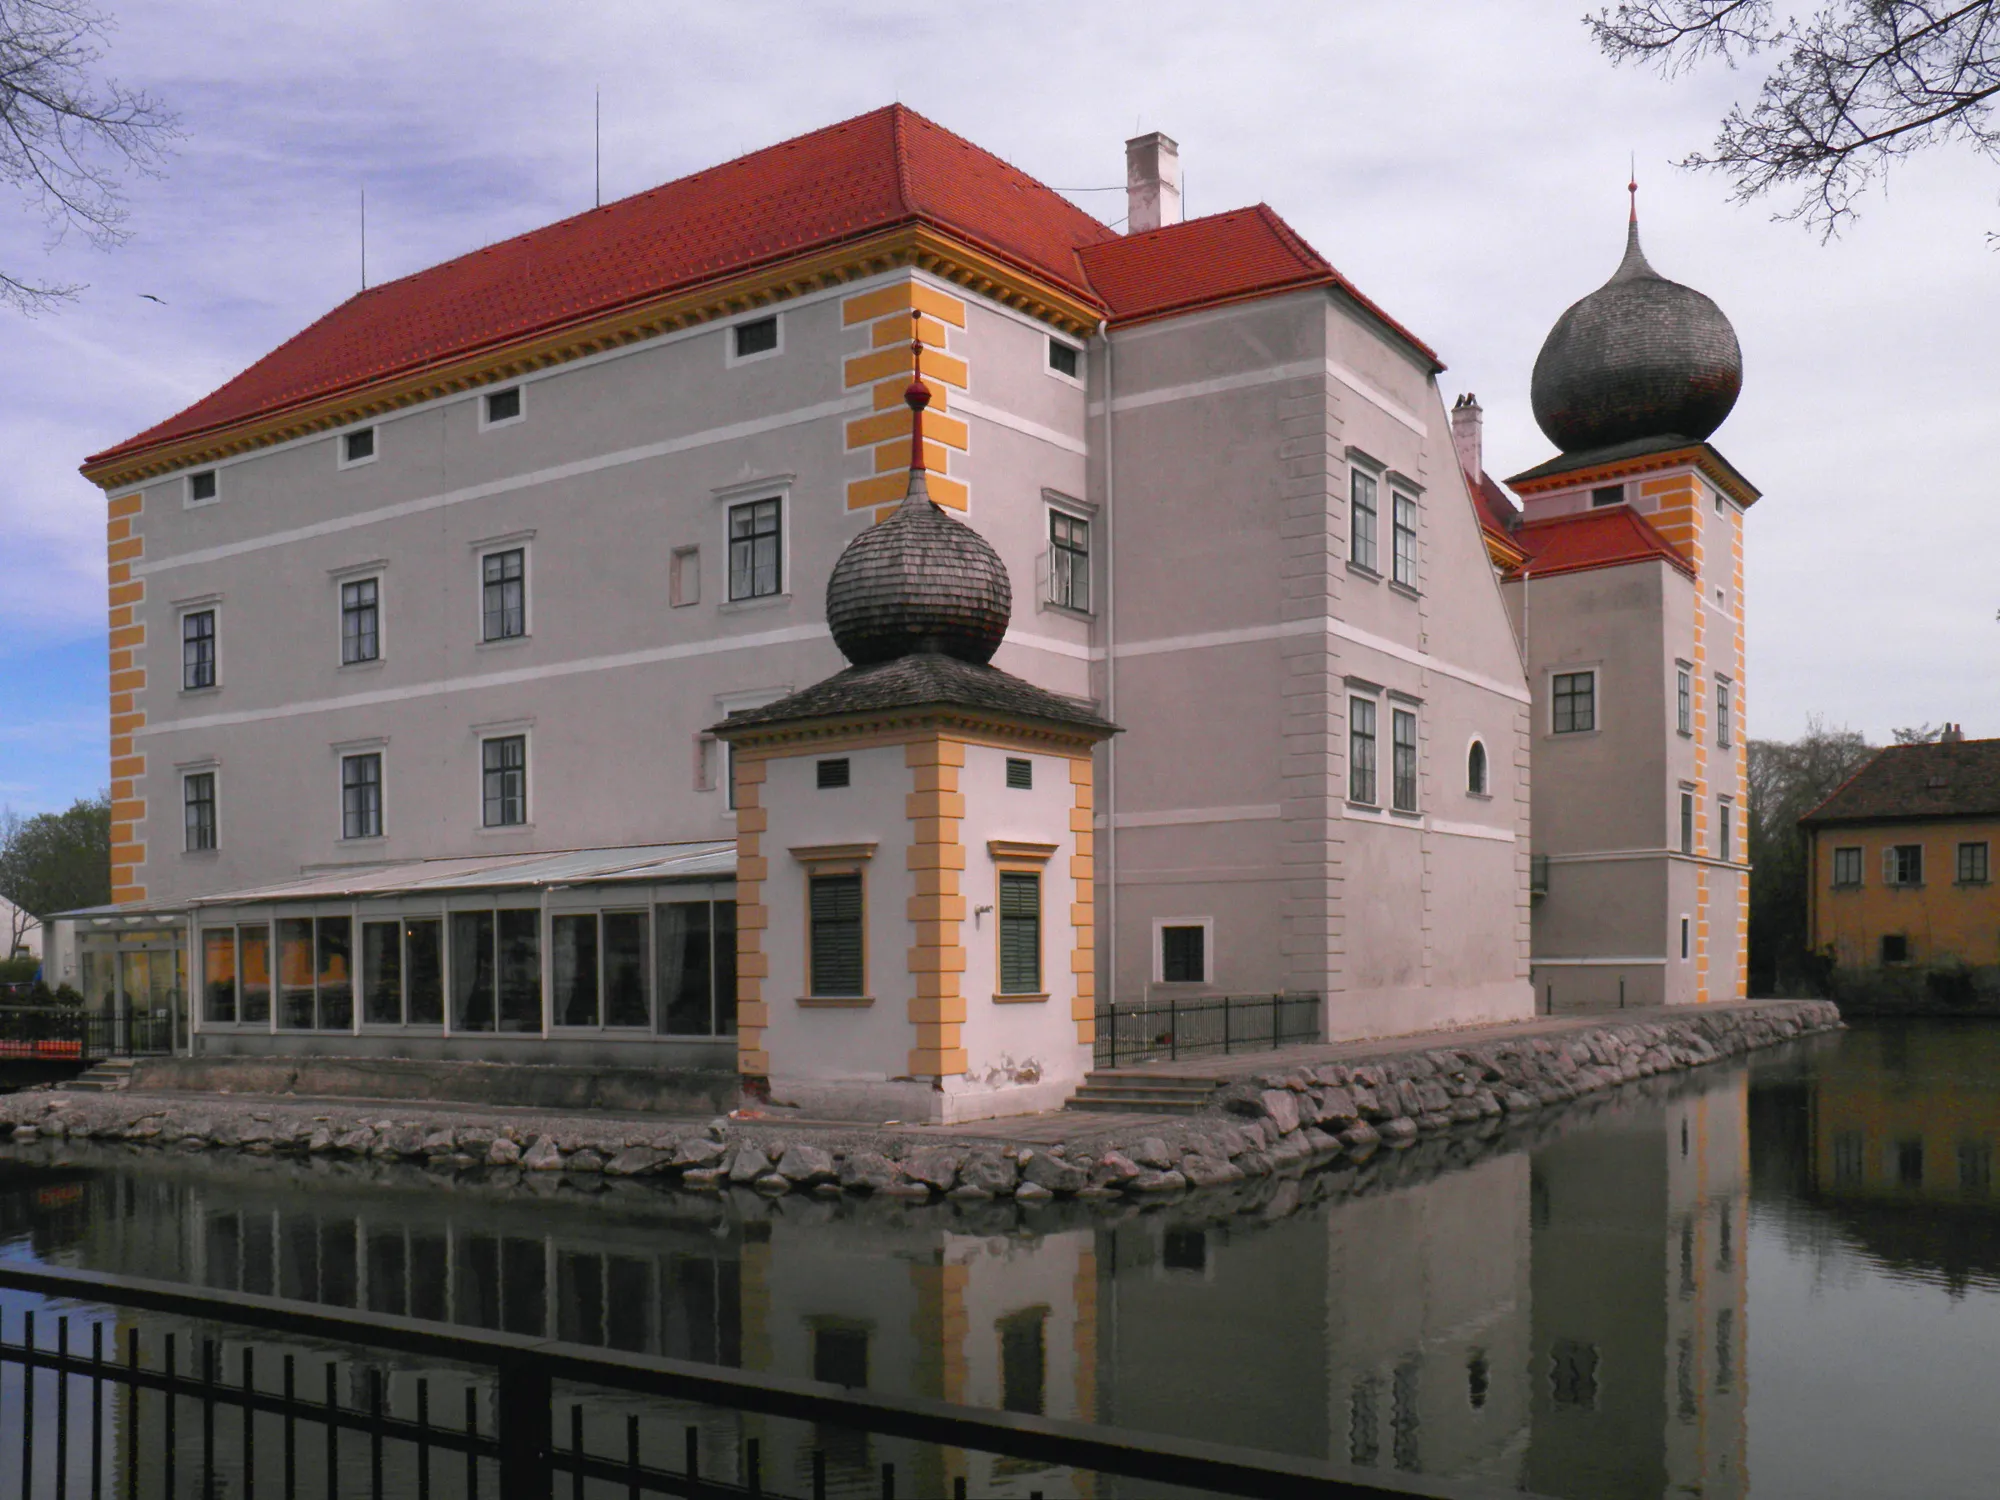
[1152, 182]
[1467, 422]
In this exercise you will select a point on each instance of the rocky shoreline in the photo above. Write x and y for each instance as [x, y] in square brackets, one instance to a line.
[1278, 1122]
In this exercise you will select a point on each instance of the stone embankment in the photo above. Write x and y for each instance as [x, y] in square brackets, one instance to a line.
[1288, 1119]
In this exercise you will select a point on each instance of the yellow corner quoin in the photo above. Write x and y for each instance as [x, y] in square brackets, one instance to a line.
[124, 544]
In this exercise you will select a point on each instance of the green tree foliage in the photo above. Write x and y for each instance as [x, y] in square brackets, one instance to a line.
[1788, 780]
[57, 861]
[67, 135]
[1850, 88]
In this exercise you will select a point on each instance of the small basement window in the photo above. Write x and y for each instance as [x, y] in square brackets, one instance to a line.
[1895, 948]
[833, 773]
[201, 487]
[503, 406]
[357, 447]
[1184, 955]
[1020, 774]
[759, 336]
[1065, 359]
[1607, 494]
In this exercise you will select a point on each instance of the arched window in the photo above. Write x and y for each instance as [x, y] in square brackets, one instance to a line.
[1475, 769]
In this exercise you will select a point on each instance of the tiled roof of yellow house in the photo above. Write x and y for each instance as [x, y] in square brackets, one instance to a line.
[1945, 779]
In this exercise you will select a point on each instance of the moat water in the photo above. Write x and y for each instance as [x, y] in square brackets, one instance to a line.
[1778, 1278]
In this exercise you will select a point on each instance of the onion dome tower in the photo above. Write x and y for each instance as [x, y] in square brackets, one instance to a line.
[920, 580]
[1640, 358]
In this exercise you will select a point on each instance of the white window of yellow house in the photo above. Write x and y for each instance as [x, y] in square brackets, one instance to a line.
[1847, 866]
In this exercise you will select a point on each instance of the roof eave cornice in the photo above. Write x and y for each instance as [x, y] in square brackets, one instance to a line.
[917, 242]
[1702, 456]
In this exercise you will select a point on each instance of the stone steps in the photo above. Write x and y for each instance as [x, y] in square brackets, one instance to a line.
[1134, 1091]
[107, 1076]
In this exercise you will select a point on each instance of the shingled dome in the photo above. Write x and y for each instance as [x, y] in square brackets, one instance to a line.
[1640, 357]
[919, 581]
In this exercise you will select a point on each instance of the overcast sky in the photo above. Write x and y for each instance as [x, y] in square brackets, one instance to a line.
[1464, 164]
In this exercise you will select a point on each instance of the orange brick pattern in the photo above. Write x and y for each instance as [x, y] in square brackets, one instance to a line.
[892, 316]
[1083, 911]
[124, 546]
[936, 861]
[753, 965]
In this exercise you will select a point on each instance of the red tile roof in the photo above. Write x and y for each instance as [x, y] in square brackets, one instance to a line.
[1497, 512]
[1946, 779]
[877, 172]
[1604, 538]
[1228, 257]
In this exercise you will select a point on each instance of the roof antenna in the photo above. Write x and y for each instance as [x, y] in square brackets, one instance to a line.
[597, 145]
[364, 238]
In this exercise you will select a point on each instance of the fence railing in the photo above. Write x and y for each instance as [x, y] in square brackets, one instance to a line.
[1173, 1027]
[228, 1418]
[59, 1033]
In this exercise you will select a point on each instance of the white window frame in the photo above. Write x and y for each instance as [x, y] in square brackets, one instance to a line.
[342, 755]
[524, 543]
[1687, 937]
[1160, 926]
[1398, 498]
[340, 441]
[1684, 698]
[722, 777]
[482, 733]
[778, 488]
[1076, 381]
[369, 573]
[1359, 469]
[1725, 702]
[1372, 800]
[209, 605]
[1596, 677]
[1398, 712]
[1725, 829]
[1685, 824]
[1074, 512]
[731, 359]
[188, 500]
[1859, 862]
[486, 422]
[213, 771]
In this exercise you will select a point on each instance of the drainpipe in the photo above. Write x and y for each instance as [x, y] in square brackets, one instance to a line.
[1110, 682]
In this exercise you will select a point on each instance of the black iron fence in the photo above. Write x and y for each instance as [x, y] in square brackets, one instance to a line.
[1173, 1027]
[100, 1414]
[62, 1032]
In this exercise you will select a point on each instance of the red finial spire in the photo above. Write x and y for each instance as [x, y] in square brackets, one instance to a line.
[918, 395]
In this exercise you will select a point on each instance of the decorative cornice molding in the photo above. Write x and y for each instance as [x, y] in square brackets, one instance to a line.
[904, 724]
[1698, 456]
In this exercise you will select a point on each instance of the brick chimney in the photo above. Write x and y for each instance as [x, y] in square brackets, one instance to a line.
[1467, 420]
[1152, 182]
[1952, 735]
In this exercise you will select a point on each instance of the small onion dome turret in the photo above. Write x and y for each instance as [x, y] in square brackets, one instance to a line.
[920, 580]
[1640, 357]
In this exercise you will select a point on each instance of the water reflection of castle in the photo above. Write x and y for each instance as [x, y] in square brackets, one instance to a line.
[1570, 1320]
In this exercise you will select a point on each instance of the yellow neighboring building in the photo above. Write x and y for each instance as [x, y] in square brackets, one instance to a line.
[1901, 857]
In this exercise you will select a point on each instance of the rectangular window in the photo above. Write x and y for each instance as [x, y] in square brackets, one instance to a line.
[382, 973]
[1360, 750]
[1404, 536]
[295, 973]
[1895, 948]
[218, 975]
[622, 961]
[686, 948]
[1361, 519]
[1069, 560]
[1722, 829]
[1685, 717]
[520, 969]
[832, 774]
[759, 336]
[836, 935]
[756, 560]
[360, 621]
[1184, 954]
[1065, 359]
[1722, 714]
[1403, 763]
[1972, 866]
[1020, 932]
[504, 774]
[684, 577]
[1847, 867]
[423, 971]
[361, 796]
[1903, 865]
[1686, 926]
[1575, 701]
[1020, 774]
[357, 447]
[1687, 822]
[198, 649]
[1607, 494]
[201, 487]
[573, 968]
[472, 970]
[1024, 1361]
[503, 406]
[198, 798]
[335, 973]
[254, 985]
[504, 594]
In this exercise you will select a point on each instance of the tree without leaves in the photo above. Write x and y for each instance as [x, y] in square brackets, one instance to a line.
[1788, 780]
[1855, 86]
[57, 861]
[66, 136]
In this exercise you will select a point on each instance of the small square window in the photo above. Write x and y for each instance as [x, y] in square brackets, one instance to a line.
[1574, 697]
[1184, 955]
[201, 487]
[1065, 359]
[1607, 494]
[1895, 948]
[357, 447]
[1847, 867]
[503, 406]
[759, 336]
[832, 774]
[1020, 774]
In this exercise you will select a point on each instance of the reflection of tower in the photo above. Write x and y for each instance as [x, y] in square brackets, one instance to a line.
[1639, 1297]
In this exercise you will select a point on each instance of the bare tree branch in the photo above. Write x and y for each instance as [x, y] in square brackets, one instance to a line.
[68, 137]
[1855, 87]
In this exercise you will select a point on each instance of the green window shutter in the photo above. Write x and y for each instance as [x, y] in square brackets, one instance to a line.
[1020, 933]
[836, 934]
